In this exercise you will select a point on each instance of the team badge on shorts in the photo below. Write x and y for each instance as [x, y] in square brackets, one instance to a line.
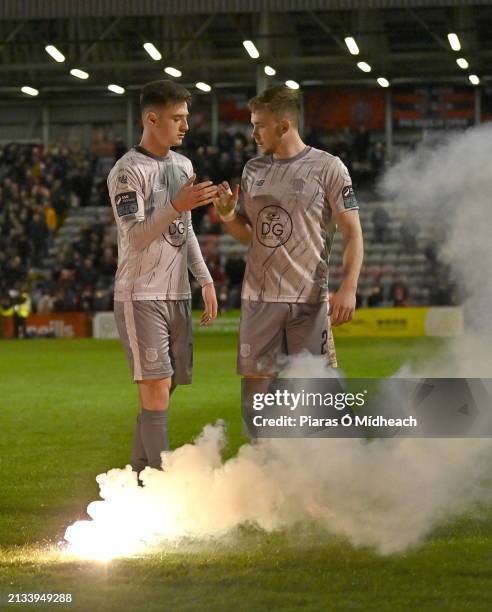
[245, 350]
[151, 354]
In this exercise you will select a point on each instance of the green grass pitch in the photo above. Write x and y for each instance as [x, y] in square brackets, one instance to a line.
[66, 414]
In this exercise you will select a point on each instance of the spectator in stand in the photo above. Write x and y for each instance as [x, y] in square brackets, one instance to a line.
[409, 230]
[14, 272]
[375, 297]
[377, 158]
[46, 303]
[361, 144]
[107, 266]
[38, 234]
[399, 293]
[50, 218]
[86, 273]
[381, 221]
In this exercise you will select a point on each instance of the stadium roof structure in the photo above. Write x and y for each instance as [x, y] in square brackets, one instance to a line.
[403, 41]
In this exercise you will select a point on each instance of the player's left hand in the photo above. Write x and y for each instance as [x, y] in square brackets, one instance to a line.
[342, 306]
[210, 303]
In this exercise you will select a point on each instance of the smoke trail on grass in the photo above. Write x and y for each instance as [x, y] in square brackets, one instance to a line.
[388, 493]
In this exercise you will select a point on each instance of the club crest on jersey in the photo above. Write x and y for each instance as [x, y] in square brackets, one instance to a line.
[176, 233]
[273, 226]
[348, 196]
[123, 178]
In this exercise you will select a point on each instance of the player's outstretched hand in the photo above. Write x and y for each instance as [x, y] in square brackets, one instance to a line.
[226, 200]
[210, 303]
[191, 196]
[342, 306]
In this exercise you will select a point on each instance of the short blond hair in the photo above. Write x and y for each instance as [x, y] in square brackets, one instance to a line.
[280, 100]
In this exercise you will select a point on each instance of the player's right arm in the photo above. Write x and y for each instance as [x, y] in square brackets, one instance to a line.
[226, 204]
[128, 200]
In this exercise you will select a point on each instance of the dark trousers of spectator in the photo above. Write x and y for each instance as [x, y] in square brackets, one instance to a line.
[20, 327]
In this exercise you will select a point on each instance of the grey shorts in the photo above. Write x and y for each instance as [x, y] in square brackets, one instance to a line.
[157, 338]
[269, 331]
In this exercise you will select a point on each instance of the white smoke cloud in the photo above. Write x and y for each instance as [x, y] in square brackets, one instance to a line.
[387, 493]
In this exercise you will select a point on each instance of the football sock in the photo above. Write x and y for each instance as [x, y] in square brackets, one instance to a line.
[153, 432]
[139, 457]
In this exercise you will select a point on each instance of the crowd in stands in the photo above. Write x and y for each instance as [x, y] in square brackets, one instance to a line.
[364, 154]
[40, 186]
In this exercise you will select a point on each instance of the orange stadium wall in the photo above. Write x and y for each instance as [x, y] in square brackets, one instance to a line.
[337, 109]
[61, 325]
[437, 107]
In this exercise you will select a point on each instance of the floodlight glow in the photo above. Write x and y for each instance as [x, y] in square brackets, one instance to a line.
[454, 41]
[117, 89]
[474, 80]
[203, 86]
[364, 66]
[383, 82]
[55, 54]
[352, 45]
[80, 74]
[30, 91]
[250, 47]
[292, 84]
[174, 72]
[154, 53]
[270, 71]
[462, 63]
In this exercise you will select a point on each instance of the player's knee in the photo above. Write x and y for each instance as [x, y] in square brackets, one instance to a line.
[155, 393]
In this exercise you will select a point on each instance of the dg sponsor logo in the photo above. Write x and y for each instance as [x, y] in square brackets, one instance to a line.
[273, 226]
[176, 234]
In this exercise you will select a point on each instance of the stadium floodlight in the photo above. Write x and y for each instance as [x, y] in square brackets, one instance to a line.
[79, 74]
[250, 47]
[154, 53]
[55, 53]
[292, 84]
[454, 41]
[203, 86]
[462, 63]
[270, 71]
[352, 46]
[30, 91]
[117, 89]
[174, 72]
[364, 66]
[474, 80]
[383, 82]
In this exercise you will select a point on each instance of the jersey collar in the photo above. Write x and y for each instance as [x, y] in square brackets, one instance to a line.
[149, 154]
[288, 160]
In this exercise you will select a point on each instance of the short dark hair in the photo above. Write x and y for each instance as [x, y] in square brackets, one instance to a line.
[160, 93]
[280, 100]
